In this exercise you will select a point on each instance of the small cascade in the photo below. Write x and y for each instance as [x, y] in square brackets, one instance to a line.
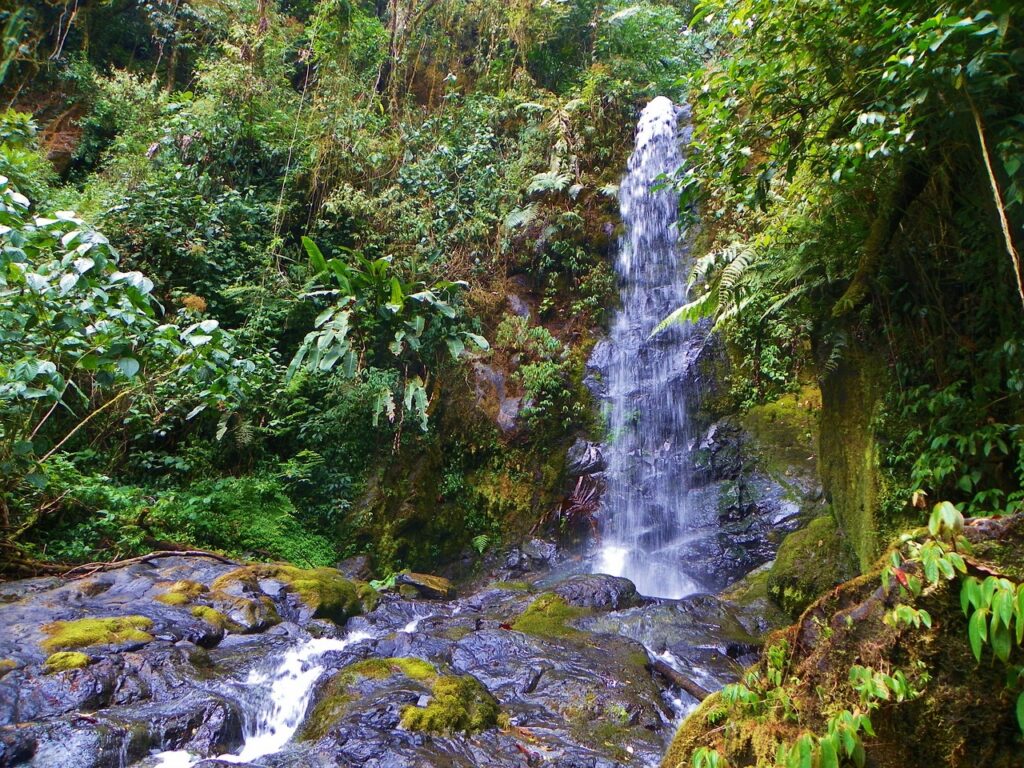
[646, 381]
[278, 697]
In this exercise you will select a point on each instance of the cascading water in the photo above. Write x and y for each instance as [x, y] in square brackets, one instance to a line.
[278, 696]
[647, 389]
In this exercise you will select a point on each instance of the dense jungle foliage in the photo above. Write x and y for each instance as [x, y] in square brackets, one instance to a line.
[295, 228]
[859, 172]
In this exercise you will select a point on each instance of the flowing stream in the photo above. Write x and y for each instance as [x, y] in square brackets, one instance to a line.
[647, 389]
[278, 696]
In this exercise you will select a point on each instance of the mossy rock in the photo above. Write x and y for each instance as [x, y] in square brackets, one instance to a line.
[81, 633]
[961, 716]
[549, 616]
[337, 694]
[248, 615]
[182, 593]
[65, 660]
[214, 617]
[426, 585]
[809, 562]
[324, 590]
[458, 704]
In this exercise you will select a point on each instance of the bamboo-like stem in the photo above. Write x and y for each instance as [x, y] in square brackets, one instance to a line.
[1004, 222]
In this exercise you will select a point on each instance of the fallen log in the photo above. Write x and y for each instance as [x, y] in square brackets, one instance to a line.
[678, 679]
[87, 569]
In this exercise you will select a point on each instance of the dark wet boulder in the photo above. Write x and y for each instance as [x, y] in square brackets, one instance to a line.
[599, 592]
[426, 586]
[584, 458]
[531, 556]
[359, 567]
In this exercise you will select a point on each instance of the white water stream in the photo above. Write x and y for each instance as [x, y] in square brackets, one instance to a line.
[648, 386]
[279, 697]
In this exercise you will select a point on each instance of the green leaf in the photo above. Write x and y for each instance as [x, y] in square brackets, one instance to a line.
[1002, 605]
[1000, 639]
[479, 340]
[828, 757]
[455, 346]
[977, 631]
[129, 366]
[316, 258]
[1019, 611]
[36, 480]
[1020, 711]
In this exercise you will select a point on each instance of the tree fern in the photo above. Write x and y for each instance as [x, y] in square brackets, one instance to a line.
[723, 275]
[521, 217]
[548, 181]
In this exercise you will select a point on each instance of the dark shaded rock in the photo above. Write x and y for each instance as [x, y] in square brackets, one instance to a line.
[584, 458]
[533, 555]
[518, 306]
[427, 586]
[598, 591]
[359, 567]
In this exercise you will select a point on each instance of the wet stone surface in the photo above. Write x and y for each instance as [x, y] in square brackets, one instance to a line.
[579, 691]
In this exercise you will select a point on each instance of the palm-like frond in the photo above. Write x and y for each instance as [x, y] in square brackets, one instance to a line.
[548, 181]
[521, 217]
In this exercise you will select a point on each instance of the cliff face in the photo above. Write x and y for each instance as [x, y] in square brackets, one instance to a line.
[849, 454]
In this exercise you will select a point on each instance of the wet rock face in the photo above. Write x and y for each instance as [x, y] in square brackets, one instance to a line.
[578, 694]
[598, 591]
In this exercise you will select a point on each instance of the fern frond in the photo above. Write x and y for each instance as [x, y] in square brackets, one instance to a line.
[521, 217]
[548, 181]
[703, 306]
[738, 257]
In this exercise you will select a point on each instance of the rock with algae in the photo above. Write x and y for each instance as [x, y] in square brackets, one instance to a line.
[62, 661]
[81, 633]
[457, 704]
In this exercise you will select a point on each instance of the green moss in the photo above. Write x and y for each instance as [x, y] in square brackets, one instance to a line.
[172, 598]
[63, 635]
[213, 616]
[848, 462]
[325, 590]
[336, 695]
[456, 633]
[65, 660]
[182, 592]
[459, 704]
[810, 562]
[7, 665]
[785, 431]
[549, 616]
[378, 669]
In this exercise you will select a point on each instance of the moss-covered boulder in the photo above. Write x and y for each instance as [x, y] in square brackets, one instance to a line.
[457, 704]
[182, 592]
[810, 562]
[952, 712]
[81, 633]
[61, 661]
[426, 586]
[335, 697]
[324, 591]
[550, 616]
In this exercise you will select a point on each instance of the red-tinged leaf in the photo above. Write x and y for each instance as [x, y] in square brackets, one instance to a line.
[901, 577]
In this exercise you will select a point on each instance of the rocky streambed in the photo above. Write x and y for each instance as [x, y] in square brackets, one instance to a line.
[192, 661]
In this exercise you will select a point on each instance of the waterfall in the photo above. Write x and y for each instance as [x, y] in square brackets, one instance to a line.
[645, 381]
